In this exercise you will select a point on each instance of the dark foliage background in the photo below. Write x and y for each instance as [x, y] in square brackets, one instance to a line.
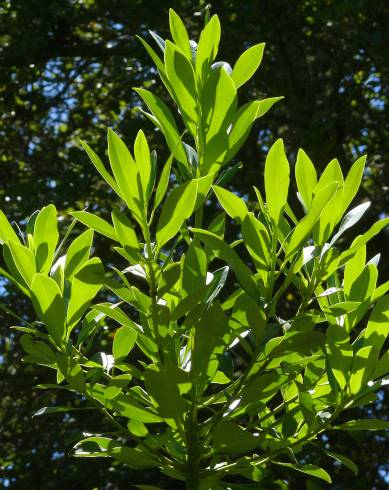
[67, 70]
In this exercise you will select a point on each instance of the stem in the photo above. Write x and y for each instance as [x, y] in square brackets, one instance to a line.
[152, 287]
[274, 240]
[194, 451]
[199, 217]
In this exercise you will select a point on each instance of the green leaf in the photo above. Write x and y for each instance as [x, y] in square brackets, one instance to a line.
[98, 164]
[377, 329]
[351, 218]
[226, 253]
[50, 410]
[78, 253]
[194, 269]
[179, 34]
[169, 278]
[344, 460]
[305, 226]
[306, 177]
[166, 123]
[218, 103]
[157, 61]
[49, 306]
[114, 312]
[233, 205]
[362, 369]
[276, 180]
[95, 223]
[361, 290]
[208, 341]
[247, 64]
[94, 447]
[257, 241]
[163, 182]
[147, 487]
[165, 384]
[332, 212]
[86, 283]
[230, 438]
[308, 469]
[219, 278]
[39, 352]
[203, 187]
[353, 182]
[342, 308]
[125, 233]
[7, 233]
[306, 405]
[261, 387]
[340, 354]
[243, 122]
[353, 269]
[126, 174]
[123, 342]
[363, 424]
[58, 272]
[45, 238]
[20, 261]
[382, 366]
[249, 314]
[207, 47]
[127, 406]
[143, 162]
[177, 208]
[331, 173]
[70, 370]
[362, 240]
[181, 76]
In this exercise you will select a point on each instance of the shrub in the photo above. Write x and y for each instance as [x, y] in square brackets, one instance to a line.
[210, 375]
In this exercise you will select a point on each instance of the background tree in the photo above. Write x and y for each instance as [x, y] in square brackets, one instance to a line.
[67, 72]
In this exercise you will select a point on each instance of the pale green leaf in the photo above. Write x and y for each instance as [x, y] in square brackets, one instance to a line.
[226, 253]
[143, 161]
[45, 238]
[177, 208]
[49, 306]
[344, 460]
[95, 223]
[247, 64]
[276, 180]
[126, 174]
[353, 181]
[363, 424]
[78, 253]
[243, 122]
[377, 329]
[305, 226]
[306, 177]
[98, 164]
[163, 182]
[86, 283]
[233, 205]
[123, 342]
[183, 85]
[308, 469]
[207, 47]
[20, 261]
[166, 123]
[179, 33]
[7, 233]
